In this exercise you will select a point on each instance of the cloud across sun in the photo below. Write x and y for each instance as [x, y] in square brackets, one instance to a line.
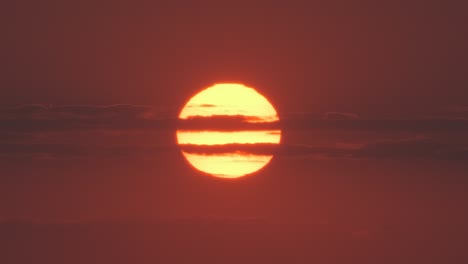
[228, 100]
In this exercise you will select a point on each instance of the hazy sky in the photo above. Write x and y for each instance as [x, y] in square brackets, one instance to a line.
[101, 83]
[372, 96]
[386, 57]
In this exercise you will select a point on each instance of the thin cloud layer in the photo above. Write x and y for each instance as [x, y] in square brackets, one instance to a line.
[67, 151]
[340, 116]
[414, 148]
[391, 149]
[53, 131]
[31, 118]
[50, 112]
[34, 118]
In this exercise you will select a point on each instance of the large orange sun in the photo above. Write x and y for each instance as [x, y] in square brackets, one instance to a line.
[228, 153]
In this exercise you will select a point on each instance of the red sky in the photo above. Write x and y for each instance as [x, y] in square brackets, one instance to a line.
[373, 103]
[386, 58]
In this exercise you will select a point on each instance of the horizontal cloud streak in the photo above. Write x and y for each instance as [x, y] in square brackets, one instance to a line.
[391, 149]
[32, 118]
[54, 132]
[74, 111]
[59, 151]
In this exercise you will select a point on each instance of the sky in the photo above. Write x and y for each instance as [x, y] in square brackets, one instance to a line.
[373, 105]
[310, 55]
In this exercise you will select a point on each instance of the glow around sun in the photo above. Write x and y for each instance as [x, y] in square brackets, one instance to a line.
[227, 153]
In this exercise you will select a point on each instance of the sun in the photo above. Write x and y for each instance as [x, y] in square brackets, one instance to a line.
[222, 152]
[231, 100]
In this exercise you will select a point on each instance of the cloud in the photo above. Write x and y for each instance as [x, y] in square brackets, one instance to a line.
[413, 148]
[54, 132]
[32, 118]
[11, 136]
[340, 116]
[457, 112]
[23, 110]
[41, 150]
[202, 105]
[51, 112]
[226, 123]
[378, 125]
[84, 111]
[67, 151]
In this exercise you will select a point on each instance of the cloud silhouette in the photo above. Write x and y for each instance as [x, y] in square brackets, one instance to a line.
[42, 118]
[23, 129]
[67, 151]
[340, 116]
[51, 112]
[411, 148]
[34, 118]
[416, 148]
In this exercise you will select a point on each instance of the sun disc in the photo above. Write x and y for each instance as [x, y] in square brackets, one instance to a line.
[228, 101]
